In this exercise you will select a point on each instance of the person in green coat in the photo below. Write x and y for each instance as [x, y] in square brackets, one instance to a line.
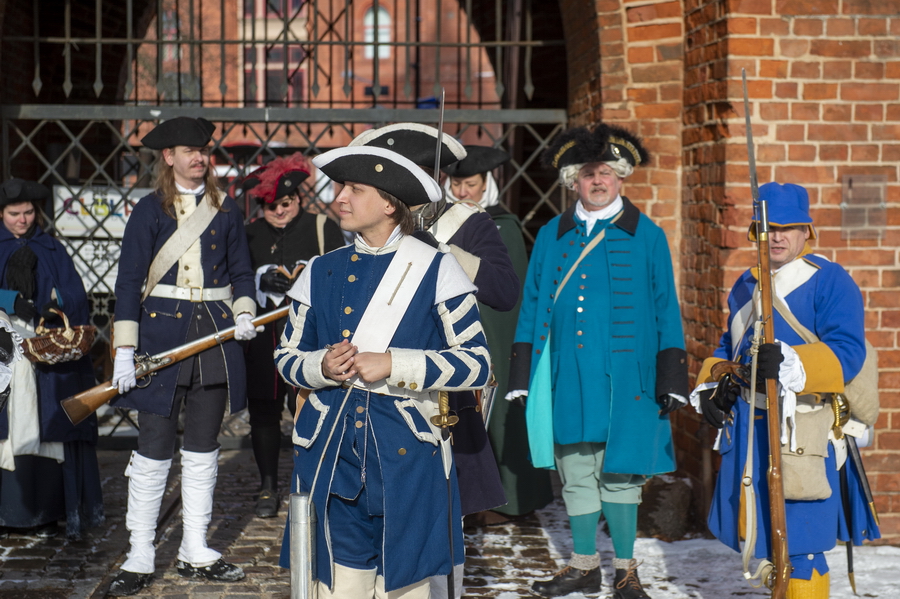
[527, 488]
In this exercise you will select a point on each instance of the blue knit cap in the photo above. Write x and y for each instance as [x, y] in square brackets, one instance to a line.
[788, 206]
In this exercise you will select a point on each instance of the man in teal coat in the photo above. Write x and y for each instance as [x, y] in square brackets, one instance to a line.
[599, 354]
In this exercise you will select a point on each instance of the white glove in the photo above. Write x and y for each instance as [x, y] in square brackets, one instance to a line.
[123, 370]
[244, 329]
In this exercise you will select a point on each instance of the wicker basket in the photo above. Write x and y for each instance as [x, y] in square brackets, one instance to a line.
[52, 346]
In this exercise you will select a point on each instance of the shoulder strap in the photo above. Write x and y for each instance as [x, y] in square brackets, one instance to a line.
[182, 239]
[454, 218]
[792, 321]
[320, 232]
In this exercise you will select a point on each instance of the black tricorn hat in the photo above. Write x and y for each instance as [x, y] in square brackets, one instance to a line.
[620, 143]
[382, 169]
[281, 177]
[180, 131]
[573, 146]
[415, 141]
[479, 159]
[15, 191]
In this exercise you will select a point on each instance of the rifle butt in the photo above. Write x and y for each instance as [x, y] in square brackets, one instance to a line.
[80, 406]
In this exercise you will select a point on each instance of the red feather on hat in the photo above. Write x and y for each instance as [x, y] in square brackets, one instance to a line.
[271, 174]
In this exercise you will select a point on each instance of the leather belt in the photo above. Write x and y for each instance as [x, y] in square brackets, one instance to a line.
[193, 294]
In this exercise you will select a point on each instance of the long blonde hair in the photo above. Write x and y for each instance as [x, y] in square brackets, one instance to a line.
[164, 183]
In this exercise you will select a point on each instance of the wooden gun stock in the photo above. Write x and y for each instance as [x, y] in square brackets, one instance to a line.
[80, 406]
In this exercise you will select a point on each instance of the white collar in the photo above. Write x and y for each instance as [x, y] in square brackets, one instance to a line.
[185, 190]
[592, 216]
[390, 245]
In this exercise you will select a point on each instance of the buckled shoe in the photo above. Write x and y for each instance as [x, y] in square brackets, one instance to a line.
[221, 571]
[569, 580]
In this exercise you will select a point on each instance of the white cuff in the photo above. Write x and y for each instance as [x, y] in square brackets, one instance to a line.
[408, 368]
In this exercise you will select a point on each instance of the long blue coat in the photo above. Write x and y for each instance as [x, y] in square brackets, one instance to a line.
[162, 322]
[830, 305]
[396, 464]
[615, 342]
[55, 270]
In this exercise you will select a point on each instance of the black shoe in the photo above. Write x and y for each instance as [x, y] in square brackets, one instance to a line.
[4, 533]
[127, 583]
[568, 580]
[221, 571]
[266, 504]
[627, 585]
[47, 531]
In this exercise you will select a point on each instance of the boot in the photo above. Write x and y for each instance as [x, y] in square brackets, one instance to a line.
[198, 483]
[146, 487]
[267, 500]
[582, 574]
[627, 585]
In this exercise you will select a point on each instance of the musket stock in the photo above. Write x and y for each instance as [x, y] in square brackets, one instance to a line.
[780, 558]
[80, 406]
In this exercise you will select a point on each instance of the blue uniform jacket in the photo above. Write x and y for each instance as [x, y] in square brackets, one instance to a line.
[615, 342]
[55, 270]
[830, 305]
[163, 322]
[388, 448]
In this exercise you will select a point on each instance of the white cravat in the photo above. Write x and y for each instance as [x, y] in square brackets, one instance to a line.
[592, 216]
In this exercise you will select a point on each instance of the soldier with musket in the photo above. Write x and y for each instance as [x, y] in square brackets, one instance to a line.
[819, 347]
[599, 354]
[184, 273]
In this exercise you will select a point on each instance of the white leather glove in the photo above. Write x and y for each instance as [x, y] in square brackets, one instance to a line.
[244, 329]
[123, 370]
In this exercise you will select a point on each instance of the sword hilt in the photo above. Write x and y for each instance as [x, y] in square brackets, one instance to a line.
[444, 419]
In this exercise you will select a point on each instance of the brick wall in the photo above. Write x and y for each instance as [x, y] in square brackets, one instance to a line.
[824, 88]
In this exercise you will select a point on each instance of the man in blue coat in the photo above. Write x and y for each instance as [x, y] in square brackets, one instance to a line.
[820, 346]
[184, 273]
[599, 353]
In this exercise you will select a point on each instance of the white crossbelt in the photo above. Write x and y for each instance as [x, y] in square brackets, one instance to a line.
[194, 294]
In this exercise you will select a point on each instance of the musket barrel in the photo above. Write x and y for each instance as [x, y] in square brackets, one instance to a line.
[81, 405]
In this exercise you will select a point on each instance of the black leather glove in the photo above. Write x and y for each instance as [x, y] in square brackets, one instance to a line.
[47, 312]
[24, 309]
[667, 404]
[426, 237]
[274, 282]
[716, 403]
[520, 400]
[768, 363]
[6, 346]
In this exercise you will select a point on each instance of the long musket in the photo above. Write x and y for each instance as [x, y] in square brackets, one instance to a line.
[780, 557]
[80, 406]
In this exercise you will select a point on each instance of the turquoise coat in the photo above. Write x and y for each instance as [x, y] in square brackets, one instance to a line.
[598, 356]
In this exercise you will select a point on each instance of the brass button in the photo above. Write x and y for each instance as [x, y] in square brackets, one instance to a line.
[537, 351]
[413, 386]
[799, 451]
[555, 282]
[296, 453]
[354, 258]
[583, 276]
[215, 267]
[360, 409]
[565, 255]
[359, 424]
[580, 346]
[637, 398]
[378, 168]
[572, 242]
[348, 310]
[546, 325]
[178, 315]
[579, 309]
[580, 333]
[543, 337]
[477, 407]
[215, 281]
[351, 278]
[345, 332]
[580, 298]
[186, 281]
[153, 315]
[401, 384]
[212, 232]
[549, 310]
[401, 451]
[224, 315]
[559, 268]
[581, 286]
[213, 246]
[186, 267]
[582, 244]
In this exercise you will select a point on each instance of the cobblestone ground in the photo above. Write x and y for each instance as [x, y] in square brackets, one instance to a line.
[501, 559]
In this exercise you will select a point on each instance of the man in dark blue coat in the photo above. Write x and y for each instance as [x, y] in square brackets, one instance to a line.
[184, 273]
